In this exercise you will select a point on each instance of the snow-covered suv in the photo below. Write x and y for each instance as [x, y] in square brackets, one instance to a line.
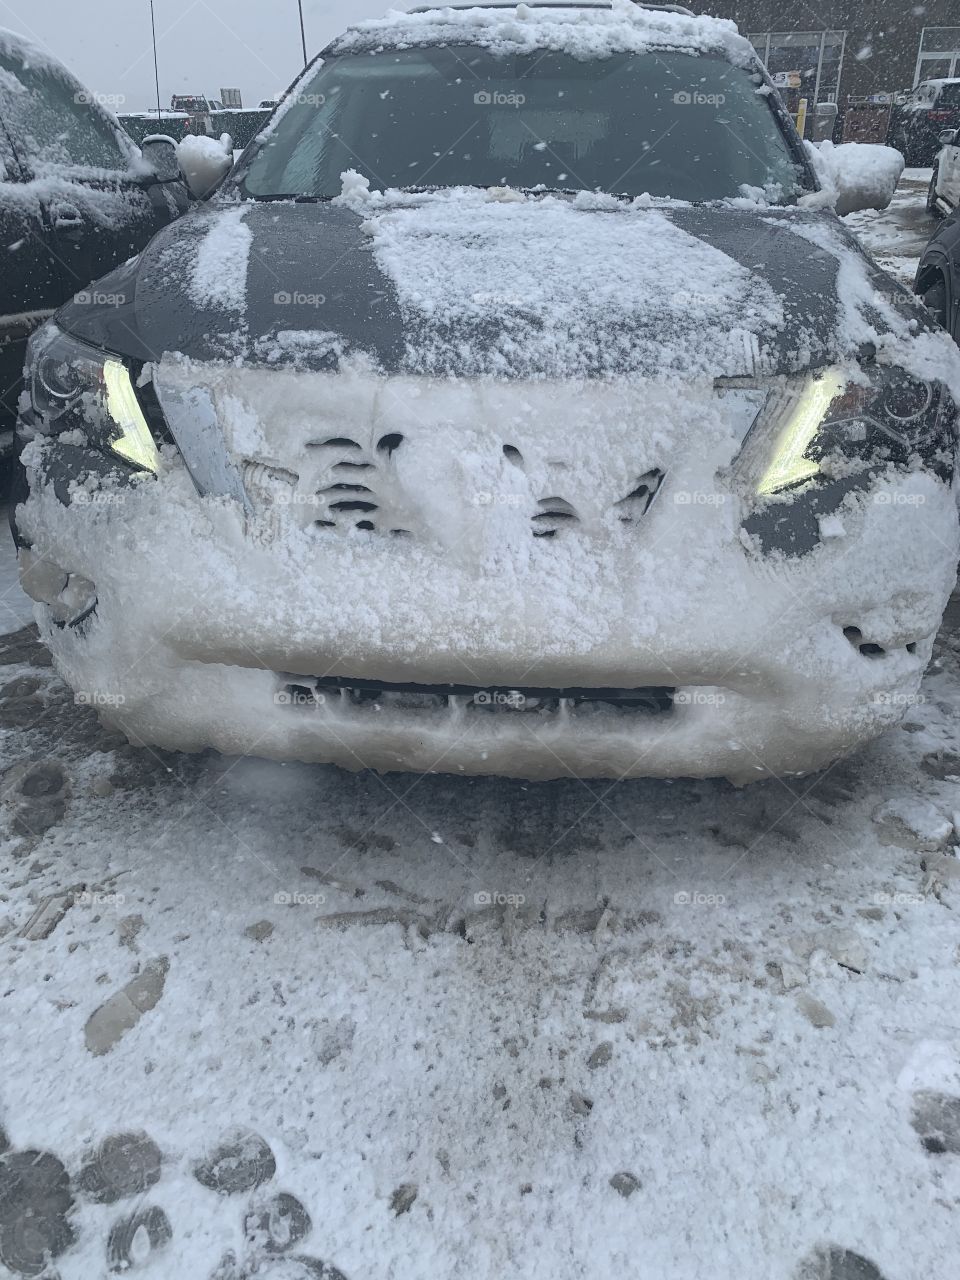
[519, 405]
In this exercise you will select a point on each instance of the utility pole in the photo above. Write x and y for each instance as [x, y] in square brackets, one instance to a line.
[303, 34]
[156, 65]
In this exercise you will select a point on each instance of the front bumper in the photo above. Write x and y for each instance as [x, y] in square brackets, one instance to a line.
[215, 627]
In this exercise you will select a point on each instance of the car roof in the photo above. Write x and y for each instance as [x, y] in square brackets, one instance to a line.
[13, 44]
[586, 28]
[555, 4]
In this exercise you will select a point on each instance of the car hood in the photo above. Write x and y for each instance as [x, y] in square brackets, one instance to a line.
[483, 284]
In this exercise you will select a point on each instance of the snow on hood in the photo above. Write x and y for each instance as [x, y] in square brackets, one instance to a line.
[570, 291]
[219, 277]
[583, 33]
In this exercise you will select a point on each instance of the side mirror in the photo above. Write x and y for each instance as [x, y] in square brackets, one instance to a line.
[857, 175]
[948, 137]
[205, 162]
[160, 152]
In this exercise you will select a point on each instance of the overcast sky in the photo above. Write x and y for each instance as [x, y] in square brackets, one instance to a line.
[203, 45]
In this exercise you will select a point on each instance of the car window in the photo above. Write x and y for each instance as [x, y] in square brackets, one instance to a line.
[54, 123]
[668, 124]
[949, 95]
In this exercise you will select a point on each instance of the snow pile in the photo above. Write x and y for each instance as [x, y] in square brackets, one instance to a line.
[219, 276]
[354, 189]
[203, 161]
[570, 290]
[857, 175]
[584, 33]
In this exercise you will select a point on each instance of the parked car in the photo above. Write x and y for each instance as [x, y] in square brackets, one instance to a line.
[519, 405]
[917, 122]
[938, 274]
[943, 194]
[76, 199]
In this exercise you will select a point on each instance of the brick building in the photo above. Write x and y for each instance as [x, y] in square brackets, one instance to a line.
[849, 48]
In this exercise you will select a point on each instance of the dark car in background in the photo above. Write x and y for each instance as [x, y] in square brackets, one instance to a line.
[76, 199]
[938, 275]
[917, 122]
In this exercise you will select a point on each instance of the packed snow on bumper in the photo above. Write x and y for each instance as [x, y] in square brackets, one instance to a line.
[642, 583]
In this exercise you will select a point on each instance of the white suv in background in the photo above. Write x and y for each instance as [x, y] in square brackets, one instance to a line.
[944, 193]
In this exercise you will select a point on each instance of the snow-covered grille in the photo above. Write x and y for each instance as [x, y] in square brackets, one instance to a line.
[308, 693]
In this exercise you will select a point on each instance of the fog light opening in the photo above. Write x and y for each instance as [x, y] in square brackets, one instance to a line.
[866, 648]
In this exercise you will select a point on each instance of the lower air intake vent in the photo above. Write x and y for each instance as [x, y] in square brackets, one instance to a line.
[305, 692]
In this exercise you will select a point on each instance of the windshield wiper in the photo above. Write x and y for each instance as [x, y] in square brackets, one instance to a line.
[289, 195]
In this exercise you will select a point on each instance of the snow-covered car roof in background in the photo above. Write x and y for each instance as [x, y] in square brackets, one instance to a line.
[588, 31]
[30, 54]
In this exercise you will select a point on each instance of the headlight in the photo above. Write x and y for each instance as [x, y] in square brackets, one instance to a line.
[826, 423]
[74, 386]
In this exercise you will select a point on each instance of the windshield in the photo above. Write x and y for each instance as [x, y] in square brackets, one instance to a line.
[693, 128]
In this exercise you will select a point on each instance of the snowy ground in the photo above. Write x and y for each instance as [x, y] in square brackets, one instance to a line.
[478, 1028]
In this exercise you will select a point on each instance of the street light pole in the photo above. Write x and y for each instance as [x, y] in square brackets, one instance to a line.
[156, 65]
[303, 34]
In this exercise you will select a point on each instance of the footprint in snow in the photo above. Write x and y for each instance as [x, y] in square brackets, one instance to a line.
[36, 1200]
[936, 1118]
[298, 1266]
[831, 1262]
[124, 1164]
[240, 1161]
[135, 1239]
